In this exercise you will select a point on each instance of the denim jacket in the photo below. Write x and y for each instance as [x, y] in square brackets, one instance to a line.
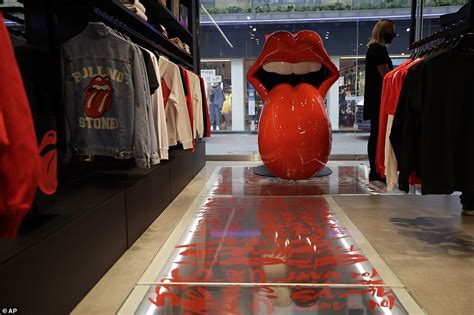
[107, 105]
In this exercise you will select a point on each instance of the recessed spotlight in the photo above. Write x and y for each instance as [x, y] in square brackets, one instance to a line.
[251, 26]
[254, 29]
[408, 29]
[248, 17]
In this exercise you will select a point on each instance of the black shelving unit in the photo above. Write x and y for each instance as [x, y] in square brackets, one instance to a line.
[160, 14]
[121, 17]
[101, 208]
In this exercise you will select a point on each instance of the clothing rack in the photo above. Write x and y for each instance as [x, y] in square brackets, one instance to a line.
[456, 29]
[112, 21]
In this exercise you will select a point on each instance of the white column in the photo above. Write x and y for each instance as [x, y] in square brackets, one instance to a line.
[238, 84]
[333, 100]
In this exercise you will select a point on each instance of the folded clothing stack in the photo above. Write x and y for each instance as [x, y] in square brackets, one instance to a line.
[184, 47]
[178, 43]
[136, 7]
[163, 30]
[187, 48]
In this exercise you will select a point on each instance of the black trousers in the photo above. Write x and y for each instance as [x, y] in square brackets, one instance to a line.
[372, 146]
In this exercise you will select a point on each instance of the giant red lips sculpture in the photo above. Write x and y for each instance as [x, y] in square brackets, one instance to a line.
[292, 75]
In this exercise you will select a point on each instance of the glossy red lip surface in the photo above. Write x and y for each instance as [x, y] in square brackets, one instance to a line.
[294, 132]
[98, 97]
[48, 182]
[291, 48]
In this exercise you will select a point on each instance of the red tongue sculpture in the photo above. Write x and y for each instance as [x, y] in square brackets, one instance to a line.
[294, 137]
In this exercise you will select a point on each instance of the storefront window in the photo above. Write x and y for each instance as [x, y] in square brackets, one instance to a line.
[232, 40]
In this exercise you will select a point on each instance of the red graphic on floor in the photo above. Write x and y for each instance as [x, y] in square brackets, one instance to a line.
[253, 242]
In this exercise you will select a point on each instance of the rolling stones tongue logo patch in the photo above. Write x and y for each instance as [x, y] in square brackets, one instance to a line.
[98, 97]
[48, 181]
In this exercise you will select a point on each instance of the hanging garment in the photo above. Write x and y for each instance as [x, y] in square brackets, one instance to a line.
[153, 142]
[177, 117]
[434, 115]
[227, 107]
[106, 98]
[159, 115]
[153, 82]
[385, 158]
[19, 160]
[148, 73]
[189, 99]
[390, 161]
[205, 109]
[195, 86]
[34, 65]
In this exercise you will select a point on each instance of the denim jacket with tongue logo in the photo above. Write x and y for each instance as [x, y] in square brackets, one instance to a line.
[105, 96]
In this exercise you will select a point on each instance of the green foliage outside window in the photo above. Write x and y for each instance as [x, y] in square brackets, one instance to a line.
[331, 7]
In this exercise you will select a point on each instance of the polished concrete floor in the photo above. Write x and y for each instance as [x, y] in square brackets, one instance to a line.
[236, 243]
[349, 143]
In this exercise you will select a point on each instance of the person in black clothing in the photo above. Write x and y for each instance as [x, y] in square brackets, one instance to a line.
[377, 65]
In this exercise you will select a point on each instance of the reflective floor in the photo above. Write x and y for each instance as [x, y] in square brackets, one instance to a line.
[255, 245]
[238, 181]
[269, 300]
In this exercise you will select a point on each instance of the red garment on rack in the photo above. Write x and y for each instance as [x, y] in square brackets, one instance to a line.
[189, 100]
[205, 107]
[393, 83]
[19, 160]
[390, 93]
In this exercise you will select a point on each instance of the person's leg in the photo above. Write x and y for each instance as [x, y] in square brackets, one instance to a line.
[213, 115]
[372, 149]
[218, 118]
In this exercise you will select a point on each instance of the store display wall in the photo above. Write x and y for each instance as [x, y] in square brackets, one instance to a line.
[99, 208]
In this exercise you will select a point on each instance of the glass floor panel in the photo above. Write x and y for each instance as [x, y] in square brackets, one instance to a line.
[269, 300]
[344, 180]
[279, 239]
[254, 245]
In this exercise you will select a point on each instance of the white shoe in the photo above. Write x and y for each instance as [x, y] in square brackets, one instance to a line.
[217, 128]
[212, 128]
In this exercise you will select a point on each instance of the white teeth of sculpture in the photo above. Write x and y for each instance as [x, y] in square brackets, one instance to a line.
[285, 68]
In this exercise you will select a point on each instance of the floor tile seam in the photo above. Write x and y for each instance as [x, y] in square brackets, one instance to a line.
[276, 196]
[375, 258]
[271, 284]
[364, 244]
[179, 228]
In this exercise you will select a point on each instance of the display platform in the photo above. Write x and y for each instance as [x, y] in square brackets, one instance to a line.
[261, 253]
[262, 170]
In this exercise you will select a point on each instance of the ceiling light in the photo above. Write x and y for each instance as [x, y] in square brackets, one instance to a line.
[248, 17]
[254, 29]
[408, 29]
